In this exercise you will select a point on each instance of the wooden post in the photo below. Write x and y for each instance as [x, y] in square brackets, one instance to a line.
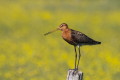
[74, 75]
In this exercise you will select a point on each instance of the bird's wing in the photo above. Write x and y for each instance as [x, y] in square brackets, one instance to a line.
[80, 37]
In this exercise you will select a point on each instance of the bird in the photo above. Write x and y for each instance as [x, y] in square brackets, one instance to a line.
[75, 38]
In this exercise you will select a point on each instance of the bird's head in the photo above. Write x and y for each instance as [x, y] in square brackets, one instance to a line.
[62, 27]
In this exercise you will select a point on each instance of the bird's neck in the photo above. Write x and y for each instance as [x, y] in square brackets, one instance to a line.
[66, 34]
[65, 30]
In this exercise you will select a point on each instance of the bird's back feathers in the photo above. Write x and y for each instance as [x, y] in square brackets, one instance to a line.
[82, 39]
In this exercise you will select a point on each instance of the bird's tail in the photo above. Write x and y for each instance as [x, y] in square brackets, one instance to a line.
[97, 42]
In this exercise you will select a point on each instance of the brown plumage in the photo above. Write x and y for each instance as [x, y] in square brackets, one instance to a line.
[75, 38]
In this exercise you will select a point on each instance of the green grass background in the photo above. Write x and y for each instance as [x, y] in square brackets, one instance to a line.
[26, 54]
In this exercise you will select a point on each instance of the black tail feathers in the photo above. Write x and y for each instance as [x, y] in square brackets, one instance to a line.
[97, 42]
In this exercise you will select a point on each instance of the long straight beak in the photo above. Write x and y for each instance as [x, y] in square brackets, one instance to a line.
[51, 31]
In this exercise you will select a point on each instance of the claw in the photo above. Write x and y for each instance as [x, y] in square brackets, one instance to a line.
[75, 71]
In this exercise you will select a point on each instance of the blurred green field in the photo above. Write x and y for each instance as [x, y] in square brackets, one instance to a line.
[26, 54]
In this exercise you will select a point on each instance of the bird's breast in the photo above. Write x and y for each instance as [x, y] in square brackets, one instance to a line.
[66, 35]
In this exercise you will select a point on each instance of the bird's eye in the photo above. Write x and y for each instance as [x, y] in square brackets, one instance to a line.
[61, 25]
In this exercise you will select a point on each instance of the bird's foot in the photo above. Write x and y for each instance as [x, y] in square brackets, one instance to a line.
[75, 71]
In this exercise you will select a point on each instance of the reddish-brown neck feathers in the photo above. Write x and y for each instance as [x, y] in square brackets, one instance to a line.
[66, 34]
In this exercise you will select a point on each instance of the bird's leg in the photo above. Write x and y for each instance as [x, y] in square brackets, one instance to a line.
[78, 56]
[75, 56]
[75, 70]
